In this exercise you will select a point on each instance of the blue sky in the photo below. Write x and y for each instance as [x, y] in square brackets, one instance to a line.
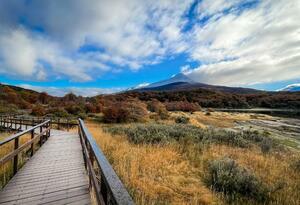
[105, 46]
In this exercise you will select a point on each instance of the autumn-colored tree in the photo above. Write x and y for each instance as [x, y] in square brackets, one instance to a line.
[132, 111]
[184, 106]
[43, 98]
[90, 108]
[38, 110]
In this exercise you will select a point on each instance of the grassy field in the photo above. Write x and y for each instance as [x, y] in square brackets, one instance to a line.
[168, 163]
[6, 170]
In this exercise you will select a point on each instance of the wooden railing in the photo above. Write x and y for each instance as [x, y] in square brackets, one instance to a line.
[103, 180]
[59, 123]
[40, 131]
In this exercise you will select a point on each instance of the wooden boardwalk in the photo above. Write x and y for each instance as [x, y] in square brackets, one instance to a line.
[54, 175]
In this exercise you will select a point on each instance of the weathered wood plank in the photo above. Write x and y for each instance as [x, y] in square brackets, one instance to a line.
[54, 175]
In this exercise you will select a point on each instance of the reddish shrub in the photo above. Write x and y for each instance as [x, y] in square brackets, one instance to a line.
[159, 108]
[90, 108]
[133, 111]
[182, 106]
[38, 110]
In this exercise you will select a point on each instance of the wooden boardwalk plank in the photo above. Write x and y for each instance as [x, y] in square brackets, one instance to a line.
[54, 175]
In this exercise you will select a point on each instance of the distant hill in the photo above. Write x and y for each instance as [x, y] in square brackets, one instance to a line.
[291, 88]
[17, 89]
[182, 82]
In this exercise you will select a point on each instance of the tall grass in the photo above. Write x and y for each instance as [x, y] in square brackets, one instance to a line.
[6, 170]
[153, 174]
[176, 172]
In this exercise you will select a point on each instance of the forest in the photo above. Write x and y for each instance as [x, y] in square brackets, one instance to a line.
[15, 99]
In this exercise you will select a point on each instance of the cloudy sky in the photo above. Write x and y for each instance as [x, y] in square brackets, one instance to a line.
[95, 46]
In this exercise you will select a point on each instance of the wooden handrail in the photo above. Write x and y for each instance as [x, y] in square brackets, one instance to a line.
[42, 135]
[31, 121]
[19, 134]
[107, 186]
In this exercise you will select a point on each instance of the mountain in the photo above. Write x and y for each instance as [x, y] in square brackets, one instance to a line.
[181, 82]
[179, 78]
[291, 88]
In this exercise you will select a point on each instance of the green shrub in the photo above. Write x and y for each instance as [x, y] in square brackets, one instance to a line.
[226, 176]
[182, 120]
[82, 115]
[162, 133]
[296, 165]
[58, 112]
[266, 145]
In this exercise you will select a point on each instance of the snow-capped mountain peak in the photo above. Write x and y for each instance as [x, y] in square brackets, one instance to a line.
[180, 77]
[292, 88]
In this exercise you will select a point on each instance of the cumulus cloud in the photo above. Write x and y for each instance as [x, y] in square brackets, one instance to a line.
[235, 42]
[256, 45]
[128, 33]
[18, 53]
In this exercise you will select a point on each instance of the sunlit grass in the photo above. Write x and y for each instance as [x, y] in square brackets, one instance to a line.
[153, 174]
[6, 170]
[174, 173]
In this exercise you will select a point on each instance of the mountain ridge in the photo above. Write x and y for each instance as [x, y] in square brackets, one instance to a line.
[180, 82]
[291, 88]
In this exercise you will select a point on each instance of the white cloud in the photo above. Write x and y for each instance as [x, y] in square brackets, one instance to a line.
[131, 33]
[134, 32]
[24, 53]
[233, 45]
[80, 91]
[258, 45]
[18, 53]
[142, 85]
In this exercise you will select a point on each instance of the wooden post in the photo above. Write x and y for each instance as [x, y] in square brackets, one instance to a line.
[16, 157]
[32, 145]
[41, 137]
[91, 156]
[58, 125]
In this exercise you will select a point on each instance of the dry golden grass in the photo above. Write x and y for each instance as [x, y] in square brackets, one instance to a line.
[273, 169]
[153, 174]
[6, 169]
[173, 174]
[218, 119]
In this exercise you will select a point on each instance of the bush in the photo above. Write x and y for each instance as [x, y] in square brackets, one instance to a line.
[90, 108]
[296, 165]
[74, 109]
[184, 106]
[161, 133]
[226, 176]
[159, 108]
[58, 112]
[182, 120]
[38, 110]
[266, 146]
[125, 112]
[82, 115]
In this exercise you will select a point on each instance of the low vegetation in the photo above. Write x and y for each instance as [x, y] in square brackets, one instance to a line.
[18, 99]
[226, 176]
[225, 167]
[6, 170]
[164, 134]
